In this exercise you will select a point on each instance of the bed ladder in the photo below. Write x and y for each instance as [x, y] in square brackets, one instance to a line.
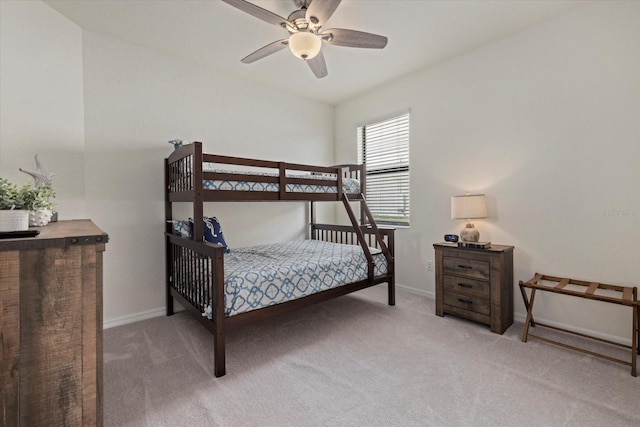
[371, 222]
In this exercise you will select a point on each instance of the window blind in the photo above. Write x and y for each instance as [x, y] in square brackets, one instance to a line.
[384, 148]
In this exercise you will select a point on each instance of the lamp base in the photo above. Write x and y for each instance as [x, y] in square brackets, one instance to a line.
[469, 234]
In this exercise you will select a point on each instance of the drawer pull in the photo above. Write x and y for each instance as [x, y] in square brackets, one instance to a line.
[464, 285]
[465, 301]
[465, 266]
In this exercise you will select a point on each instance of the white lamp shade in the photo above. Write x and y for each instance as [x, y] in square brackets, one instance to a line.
[469, 206]
[305, 45]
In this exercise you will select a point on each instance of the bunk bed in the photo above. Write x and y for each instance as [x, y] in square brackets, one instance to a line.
[207, 281]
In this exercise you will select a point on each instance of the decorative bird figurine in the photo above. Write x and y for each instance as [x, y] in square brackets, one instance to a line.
[177, 143]
[40, 175]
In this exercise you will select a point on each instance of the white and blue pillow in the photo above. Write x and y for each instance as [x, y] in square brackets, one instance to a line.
[181, 228]
[212, 232]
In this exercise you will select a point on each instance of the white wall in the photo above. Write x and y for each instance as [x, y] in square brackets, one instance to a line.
[135, 101]
[545, 122]
[41, 107]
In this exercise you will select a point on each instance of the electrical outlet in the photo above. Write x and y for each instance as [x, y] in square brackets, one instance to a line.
[430, 265]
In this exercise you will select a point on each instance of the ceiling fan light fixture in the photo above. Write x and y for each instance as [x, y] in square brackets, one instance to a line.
[305, 45]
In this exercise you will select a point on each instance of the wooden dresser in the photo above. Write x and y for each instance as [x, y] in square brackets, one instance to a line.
[476, 284]
[51, 326]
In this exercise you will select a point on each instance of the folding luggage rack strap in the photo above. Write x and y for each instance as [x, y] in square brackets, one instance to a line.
[622, 295]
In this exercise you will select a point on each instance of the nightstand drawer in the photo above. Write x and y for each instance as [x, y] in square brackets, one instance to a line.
[466, 302]
[466, 267]
[470, 287]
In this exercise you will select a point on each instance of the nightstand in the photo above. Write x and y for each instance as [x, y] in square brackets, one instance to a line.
[476, 284]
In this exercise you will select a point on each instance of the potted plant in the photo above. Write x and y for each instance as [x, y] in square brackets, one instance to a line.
[14, 216]
[16, 203]
[40, 205]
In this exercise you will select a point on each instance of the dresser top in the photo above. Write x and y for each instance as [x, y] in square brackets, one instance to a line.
[492, 248]
[59, 234]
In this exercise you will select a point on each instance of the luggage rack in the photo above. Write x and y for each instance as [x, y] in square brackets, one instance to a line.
[624, 295]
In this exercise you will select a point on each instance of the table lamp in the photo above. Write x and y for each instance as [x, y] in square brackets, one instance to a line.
[468, 207]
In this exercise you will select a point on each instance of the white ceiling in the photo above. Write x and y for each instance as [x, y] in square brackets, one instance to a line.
[421, 33]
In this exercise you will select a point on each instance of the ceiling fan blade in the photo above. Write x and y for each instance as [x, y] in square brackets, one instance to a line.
[318, 65]
[258, 12]
[353, 38]
[265, 50]
[320, 11]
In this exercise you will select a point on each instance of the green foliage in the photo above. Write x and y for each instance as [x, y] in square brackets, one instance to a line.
[40, 197]
[12, 196]
[25, 197]
[402, 220]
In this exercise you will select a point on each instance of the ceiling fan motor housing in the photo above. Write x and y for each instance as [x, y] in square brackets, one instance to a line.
[298, 18]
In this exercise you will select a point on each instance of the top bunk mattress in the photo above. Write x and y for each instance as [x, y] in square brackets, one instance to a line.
[260, 276]
[349, 185]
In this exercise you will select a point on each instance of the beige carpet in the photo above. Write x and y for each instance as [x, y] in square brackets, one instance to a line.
[355, 361]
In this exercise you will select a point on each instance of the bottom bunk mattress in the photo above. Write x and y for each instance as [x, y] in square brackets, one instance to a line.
[261, 276]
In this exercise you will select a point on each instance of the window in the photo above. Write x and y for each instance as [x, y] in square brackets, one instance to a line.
[384, 148]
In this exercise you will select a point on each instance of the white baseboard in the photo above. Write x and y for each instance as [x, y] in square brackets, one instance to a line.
[415, 291]
[131, 318]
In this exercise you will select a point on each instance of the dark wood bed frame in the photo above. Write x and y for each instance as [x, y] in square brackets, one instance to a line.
[195, 268]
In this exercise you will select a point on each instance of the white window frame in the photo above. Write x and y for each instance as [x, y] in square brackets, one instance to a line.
[383, 147]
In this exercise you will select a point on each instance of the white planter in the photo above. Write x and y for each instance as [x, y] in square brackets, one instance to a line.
[14, 220]
[39, 218]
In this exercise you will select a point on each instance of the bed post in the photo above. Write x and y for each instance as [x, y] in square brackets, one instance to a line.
[168, 214]
[198, 201]
[219, 315]
[312, 214]
[391, 284]
[362, 176]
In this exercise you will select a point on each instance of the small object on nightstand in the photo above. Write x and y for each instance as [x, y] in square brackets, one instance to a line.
[17, 234]
[451, 238]
[475, 245]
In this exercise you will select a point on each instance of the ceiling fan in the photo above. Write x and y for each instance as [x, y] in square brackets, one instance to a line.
[306, 34]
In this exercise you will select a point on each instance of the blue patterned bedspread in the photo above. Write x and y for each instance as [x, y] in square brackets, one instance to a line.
[349, 185]
[260, 276]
